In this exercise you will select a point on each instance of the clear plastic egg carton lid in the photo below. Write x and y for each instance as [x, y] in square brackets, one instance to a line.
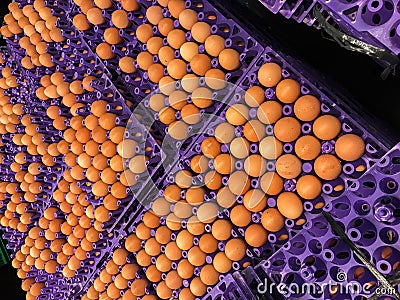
[368, 214]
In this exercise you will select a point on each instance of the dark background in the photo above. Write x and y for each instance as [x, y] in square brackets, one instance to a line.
[355, 72]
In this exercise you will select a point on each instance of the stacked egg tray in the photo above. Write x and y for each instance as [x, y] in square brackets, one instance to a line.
[140, 86]
[56, 285]
[375, 149]
[373, 21]
[37, 109]
[368, 213]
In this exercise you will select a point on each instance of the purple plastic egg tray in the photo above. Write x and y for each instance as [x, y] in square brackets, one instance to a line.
[233, 286]
[373, 21]
[368, 213]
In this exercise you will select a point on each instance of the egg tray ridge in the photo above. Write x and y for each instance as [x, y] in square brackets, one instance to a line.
[368, 213]
[374, 22]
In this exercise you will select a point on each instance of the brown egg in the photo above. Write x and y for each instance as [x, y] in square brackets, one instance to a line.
[289, 205]
[288, 166]
[187, 18]
[207, 212]
[173, 222]
[255, 165]
[200, 64]
[190, 114]
[195, 195]
[130, 5]
[287, 129]
[270, 148]
[307, 108]
[327, 167]
[163, 264]
[224, 133]
[214, 44]
[196, 257]
[202, 97]
[239, 182]
[215, 79]
[239, 147]
[237, 114]
[307, 147]
[235, 249]
[226, 198]
[349, 147]
[199, 164]
[143, 259]
[210, 147]
[163, 291]
[269, 112]
[111, 36]
[103, 4]
[222, 263]
[156, 102]
[188, 50]
[201, 31]
[95, 16]
[120, 19]
[272, 220]
[144, 60]
[185, 269]
[308, 187]
[144, 32]
[172, 251]
[326, 127]
[152, 247]
[175, 7]
[104, 51]
[194, 226]
[209, 275]
[224, 163]
[172, 193]
[254, 96]
[288, 90]
[176, 38]
[213, 180]
[166, 85]
[229, 59]
[254, 130]
[178, 130]
[165, 26]
[271, 183]
[153, 274]
[154, 14]
[176, 68]
[182, 209]
[154, 44]
[155, 72]
[208, 243]
[255, 235]
[240, 216]
[138, 287]
[255, 200]
[177, 99]
[221, 230]
[270, 74]
[184, 240]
